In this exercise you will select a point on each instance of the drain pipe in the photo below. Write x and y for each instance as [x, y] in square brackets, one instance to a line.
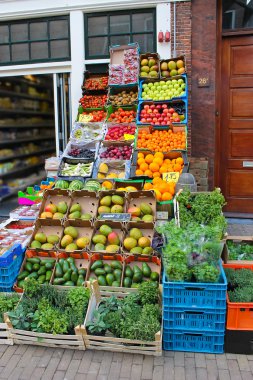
[175, 24]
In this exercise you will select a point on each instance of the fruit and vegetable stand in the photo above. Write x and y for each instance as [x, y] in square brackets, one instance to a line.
[103, 262]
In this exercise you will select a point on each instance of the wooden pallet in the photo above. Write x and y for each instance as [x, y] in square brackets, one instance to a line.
[5, 334]
[109, 342]
[74, 342]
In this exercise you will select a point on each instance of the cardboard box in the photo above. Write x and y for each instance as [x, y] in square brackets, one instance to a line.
[84, 228]
[107, 258]
[88, 201]
[48, 227]
[115, 226]
[147, 230]
[134, 199]
[54, 197]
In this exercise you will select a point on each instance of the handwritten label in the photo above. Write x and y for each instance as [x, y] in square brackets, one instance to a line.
[203, 82]
[171, 177]
[85, 118]
[127, 136]
[124, 217]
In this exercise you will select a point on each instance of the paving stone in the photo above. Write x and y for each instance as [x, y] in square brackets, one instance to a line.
[38, 373]
[136, 372]
[30, 368]
[80, 376]
[200, 360]
[231, 356]
[235, 375]
[39, 351]
[51, 368]
[222, 362]
[147, 368]
[94, 368]
[7, 355]
[169, 369]
[189, 355]
[44, 360]
[243, 363]
[11, 365]
[158, 372]
[65, 360]
[201, 373]
[250, 357]
[114, 370]
[21, 349]
[169, 354]
[224, 374]
[158, 360]
[15, 375]
[78, 354]
[58, 353]
[117, 356]
[85, 362]
[126, 366]
[106, 363]
[190, 373]
[209, 356]
[179, 359]
[138, 359]
[189, 363]
[97, 356]
[180, 373]
[59, 375]
[102, 377]
[246, 375]
[233, 365]
[72, 369]
[91, 376]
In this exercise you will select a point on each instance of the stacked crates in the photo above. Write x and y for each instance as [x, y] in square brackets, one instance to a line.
[10, 263]
[194, 315]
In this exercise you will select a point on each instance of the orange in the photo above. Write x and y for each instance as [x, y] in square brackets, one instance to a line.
[167, 196]
[156, 180]
[158, 194]
[163, 169]
[140, 155]
[144, 166]
[140, 161]
[159, 154]
[162, 187]
[148, 173]
[156, 174]
[177, 167]
[154, 167]
[149, 158]
[167, 161]
[158, 160]
[139, 172]
[148, 186]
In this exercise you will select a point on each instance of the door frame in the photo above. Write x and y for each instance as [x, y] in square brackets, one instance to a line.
[218, 100]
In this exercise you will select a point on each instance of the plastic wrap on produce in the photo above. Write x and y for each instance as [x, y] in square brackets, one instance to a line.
[82, 149]
[87, 132]
[104, 168]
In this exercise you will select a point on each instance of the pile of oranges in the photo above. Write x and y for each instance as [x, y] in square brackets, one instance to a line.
[154, 165]
[164, 191]
[161, 141]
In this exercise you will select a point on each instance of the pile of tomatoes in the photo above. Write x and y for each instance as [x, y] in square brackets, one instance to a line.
[96, 115]
[93, 101]
[122, 116]
[99, 83]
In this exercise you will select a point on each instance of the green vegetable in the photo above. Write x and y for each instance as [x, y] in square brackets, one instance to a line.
[61, 184]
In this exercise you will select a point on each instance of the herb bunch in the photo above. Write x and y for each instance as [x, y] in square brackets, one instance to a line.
[240, 284]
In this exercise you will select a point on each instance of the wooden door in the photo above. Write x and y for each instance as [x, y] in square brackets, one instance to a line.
[236, 126]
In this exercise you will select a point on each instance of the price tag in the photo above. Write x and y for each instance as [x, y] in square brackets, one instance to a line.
[124, 217]
[85, 118]
[171, 177]
[127, 136]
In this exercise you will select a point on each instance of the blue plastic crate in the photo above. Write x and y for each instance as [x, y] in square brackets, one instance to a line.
[10, 255]
[9, 274]
[194, 342]
[194, 320]
[192, 295]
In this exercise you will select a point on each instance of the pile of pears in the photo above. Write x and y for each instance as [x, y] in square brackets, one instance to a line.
[71, 241]
[75, 212]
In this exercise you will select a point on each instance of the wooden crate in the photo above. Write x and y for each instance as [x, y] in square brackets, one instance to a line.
[74, 342]
[5, 334]
[109, 342]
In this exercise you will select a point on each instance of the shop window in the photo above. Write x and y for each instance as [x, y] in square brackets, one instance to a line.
[36, 40]
[118, 28]
[237, 14]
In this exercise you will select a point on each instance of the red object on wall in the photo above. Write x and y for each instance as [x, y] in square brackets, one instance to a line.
[160, 36]
[167, 36]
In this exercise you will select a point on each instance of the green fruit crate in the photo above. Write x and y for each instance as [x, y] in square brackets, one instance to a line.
[110, 343]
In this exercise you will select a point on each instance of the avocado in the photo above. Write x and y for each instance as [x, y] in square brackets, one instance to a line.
[135, 285]
[42, 271]
[100, 271]
[127, 282]
[70, 260]
[48, 275]
[129, 272]
[23, 275]
[97, 264]
[58, 270]
[117, 274]
[137, 277]
[69, 283]
[82, 271]
[61, 261]
[116, 264]
[80, 281]
[146, 270]
[109, 279]
[67, 275]
[74, 277]
[33, 275]
[41, 279]
[65, 266]
[154, 276]
[58, 281]
[33, 260]
[102, 280]
[116, 284]
[29, 266]
[49, 265]
[136, 269]
[108, 268]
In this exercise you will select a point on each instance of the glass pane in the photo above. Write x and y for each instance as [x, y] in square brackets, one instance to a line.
[59, 29]
[119, 24]
[4, 53]
[19, 32]
[20, 52]
[120, 40]
[38, 31]
[142, 22]
[39, 50]
[98, 46]
[4, 34]
[59, 49]
[97, 25]
[237, 15]
[146, 42]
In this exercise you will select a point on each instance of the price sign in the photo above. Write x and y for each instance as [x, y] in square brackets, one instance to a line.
[127, 136]
[85, 118]
[171, 177]
[124, 217]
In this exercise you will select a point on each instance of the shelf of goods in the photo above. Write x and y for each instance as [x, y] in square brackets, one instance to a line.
[26, 107]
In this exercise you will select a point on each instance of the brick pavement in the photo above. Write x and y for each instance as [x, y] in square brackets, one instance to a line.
[31, 362]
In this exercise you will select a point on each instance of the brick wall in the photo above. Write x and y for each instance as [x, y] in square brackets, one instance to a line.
[183, 47]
